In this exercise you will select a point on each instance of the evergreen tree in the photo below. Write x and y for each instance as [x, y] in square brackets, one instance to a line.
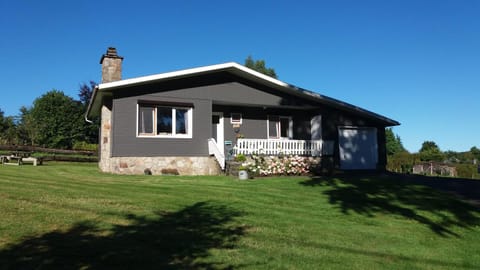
[90, 130]
[259, 65]
[393, 143]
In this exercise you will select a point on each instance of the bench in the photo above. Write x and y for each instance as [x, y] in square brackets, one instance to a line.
[19, 158]
[35, 161]
[11, 160]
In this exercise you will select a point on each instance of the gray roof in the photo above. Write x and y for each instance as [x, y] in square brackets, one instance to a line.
[106, 89]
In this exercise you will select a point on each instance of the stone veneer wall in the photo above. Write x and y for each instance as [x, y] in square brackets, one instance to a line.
[137, 165]
[182, 165]
[105, 137]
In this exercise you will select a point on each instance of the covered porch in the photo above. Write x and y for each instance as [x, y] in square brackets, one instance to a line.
[314, 148]
[271, 147]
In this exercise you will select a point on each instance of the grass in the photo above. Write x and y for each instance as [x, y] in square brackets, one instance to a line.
[70, 216]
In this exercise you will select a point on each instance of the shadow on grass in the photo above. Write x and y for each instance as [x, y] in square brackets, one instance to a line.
[407, 197]
[178, 240]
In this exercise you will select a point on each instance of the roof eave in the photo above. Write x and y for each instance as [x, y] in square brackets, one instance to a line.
[239, 70]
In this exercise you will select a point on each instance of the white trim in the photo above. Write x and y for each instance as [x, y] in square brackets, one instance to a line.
[233, 68]
[279, 128]
[220, 132]
[189, 134]
[188, 72]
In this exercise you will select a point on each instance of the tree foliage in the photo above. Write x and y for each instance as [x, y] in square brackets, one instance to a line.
[8, 129]
[56, 120]
[85, 92]
[259, 65]
[90, 130]
[431, 152]
[393, 143]
[475, 152]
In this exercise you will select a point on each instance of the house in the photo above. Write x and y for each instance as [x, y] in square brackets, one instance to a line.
[193, 120]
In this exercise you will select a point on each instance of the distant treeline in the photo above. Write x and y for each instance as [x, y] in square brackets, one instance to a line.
[402, 161]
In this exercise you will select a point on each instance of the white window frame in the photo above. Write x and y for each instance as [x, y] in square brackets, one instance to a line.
[235, 121]
[279, 129]
[174, 122]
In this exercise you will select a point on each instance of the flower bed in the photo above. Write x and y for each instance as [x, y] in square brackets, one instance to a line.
[278, 165]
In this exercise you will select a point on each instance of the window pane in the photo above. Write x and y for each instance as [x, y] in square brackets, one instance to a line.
[181, 122]
[145, 120]
[284, 127]
[236, 118]
[164, 120]
[272, 127]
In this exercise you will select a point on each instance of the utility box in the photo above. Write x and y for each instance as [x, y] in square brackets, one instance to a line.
[229, 150]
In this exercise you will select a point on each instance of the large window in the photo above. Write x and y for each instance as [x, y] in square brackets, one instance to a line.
[280, 127]
[164, 121]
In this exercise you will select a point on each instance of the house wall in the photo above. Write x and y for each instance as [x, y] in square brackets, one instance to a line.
[227, 97]
[333, 119]
[127, 144]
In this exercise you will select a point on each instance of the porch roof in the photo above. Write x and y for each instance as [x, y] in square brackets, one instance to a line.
[106, 89]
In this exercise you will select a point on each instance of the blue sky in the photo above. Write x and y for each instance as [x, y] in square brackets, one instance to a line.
[417, 62]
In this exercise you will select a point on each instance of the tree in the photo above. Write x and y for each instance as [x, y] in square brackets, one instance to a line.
[85, 92]
[90, 130]
[475, 152]
[26, 128]
[393, 143]
[2, 122]
[259, 65]
[55, 120]
[8, 132]
[431, 152]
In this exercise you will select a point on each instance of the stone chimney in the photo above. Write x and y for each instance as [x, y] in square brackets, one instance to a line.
[111, 66]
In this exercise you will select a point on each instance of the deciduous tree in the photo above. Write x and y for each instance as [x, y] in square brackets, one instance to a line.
[55, 120]
[431, 152]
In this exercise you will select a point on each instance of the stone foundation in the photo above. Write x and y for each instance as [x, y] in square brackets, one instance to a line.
[182, 165]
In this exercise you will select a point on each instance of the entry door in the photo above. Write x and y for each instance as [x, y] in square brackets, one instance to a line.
[358, 148]
[217, 130]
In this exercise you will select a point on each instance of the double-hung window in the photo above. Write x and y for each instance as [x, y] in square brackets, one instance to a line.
[280, 127]
[164, 121]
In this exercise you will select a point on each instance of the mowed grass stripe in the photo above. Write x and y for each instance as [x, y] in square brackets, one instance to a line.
[221, 222]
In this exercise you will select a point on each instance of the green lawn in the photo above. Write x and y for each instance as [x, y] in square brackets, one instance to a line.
[70, 216]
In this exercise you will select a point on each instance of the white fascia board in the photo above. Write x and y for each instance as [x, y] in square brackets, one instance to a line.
[189, 72]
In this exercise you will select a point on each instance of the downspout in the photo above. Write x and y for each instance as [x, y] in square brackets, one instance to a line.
[95, 90]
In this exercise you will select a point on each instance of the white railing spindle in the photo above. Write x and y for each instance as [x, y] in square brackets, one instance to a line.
[286, 147]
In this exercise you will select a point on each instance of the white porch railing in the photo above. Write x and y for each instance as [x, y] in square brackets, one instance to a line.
[285, 147]
[213, 150]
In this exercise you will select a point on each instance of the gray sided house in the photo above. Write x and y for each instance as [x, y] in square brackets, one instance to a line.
[193, 120]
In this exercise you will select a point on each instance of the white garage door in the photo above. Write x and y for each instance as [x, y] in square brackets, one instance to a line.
[358, 148]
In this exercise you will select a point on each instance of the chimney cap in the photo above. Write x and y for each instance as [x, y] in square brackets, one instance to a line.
[111, 53]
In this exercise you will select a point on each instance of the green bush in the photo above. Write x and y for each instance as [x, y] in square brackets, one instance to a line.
[467, 171]
[84, 146]
[240, 158]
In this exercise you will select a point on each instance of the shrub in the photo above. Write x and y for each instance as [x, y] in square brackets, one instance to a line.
[81, 145]
[240, 158]
[273, 165]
